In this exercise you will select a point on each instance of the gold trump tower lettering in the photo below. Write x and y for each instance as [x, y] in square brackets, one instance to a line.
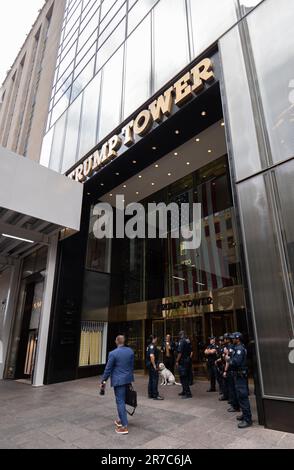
[193, 82]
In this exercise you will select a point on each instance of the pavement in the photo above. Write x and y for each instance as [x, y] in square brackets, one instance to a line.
[73, 415]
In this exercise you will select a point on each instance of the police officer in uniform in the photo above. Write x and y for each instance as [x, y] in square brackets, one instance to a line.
[152, 361]
[238, 364]
[225, 345]
[211, 353]
[229, 376]
[220, 367]
[184, 364]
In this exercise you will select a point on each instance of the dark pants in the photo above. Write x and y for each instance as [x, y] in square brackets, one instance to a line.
[225, 388]
[241, 386]
[184, 371]
[153, 383]
[169, 363]
[220, 380]
[212, 374]
[191, 373]
[120, 396]
[233, 396]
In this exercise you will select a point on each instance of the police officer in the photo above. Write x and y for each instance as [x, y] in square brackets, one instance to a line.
[229, 376]
[225, 345]
[211, 353]
[238, 364]
[184, 363]
[152, 361]
[220, 367]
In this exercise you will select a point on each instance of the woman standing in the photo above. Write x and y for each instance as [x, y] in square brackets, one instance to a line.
[168, 350]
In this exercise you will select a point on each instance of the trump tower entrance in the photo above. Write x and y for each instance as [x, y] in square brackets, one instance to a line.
[172, 150]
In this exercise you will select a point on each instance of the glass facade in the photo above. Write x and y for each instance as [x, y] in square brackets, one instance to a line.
[129, 282]
[262, 173]
[134, 47]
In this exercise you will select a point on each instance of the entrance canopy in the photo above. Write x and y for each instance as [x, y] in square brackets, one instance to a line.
[35, 203]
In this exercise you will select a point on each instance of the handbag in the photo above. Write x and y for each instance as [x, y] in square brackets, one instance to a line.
[131, 399]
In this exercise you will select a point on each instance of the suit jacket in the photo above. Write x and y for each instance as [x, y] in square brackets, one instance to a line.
[120, 367]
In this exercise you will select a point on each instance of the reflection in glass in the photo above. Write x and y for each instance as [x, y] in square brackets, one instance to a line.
[245, 146]
[275, 75]
[271, 311]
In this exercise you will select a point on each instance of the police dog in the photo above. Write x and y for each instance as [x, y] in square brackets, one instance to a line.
[167, 377]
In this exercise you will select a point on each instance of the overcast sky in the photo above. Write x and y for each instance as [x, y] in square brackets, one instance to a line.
[16, 19]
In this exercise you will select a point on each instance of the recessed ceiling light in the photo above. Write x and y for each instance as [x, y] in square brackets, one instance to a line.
[177, 132]
[152, 184]
[117, 174]
[156, 166]
[197, 140]
[188, 163]
[140, 176]
[124, 186]
[110, 195]
[209, 151]
[169, 174]
[203, 113]
[154, 148]
[137, 193]
[102, 184]
[223, 124]
[89, 194]
[176, 154]
[134, 162]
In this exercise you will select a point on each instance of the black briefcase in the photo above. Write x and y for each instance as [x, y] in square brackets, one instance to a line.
[131, 399]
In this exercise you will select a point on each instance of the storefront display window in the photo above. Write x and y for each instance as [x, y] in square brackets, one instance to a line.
[93, 343]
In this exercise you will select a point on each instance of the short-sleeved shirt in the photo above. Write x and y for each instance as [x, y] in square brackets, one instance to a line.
[151, 349]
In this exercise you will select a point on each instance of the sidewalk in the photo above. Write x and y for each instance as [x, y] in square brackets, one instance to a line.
[73, 415]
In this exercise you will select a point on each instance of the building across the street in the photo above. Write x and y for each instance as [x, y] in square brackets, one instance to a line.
[174, 101]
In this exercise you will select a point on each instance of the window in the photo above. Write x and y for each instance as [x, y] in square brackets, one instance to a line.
[138, 12]
[171, 40]
[208, 27]
[72, 135]
[111, 94]
[88, 133]
[138, 67]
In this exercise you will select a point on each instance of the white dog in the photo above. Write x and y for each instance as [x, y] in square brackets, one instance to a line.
[167, 377]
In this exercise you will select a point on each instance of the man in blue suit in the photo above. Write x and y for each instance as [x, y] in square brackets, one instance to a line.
[120, 367]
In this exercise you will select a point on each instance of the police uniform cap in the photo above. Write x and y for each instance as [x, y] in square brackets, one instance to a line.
[212, 337]
[238, 335]
[227, 335]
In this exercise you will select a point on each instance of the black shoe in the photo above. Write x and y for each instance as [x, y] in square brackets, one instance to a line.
[240, 418]
[211, 390]
[184, 397]
[150, 398]
[233, 410]
[158, 398]
[222, 399]
[182, 394]
[245, 424]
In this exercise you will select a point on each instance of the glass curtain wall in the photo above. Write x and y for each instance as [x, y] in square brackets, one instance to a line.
[260, 126]
[134, 47]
